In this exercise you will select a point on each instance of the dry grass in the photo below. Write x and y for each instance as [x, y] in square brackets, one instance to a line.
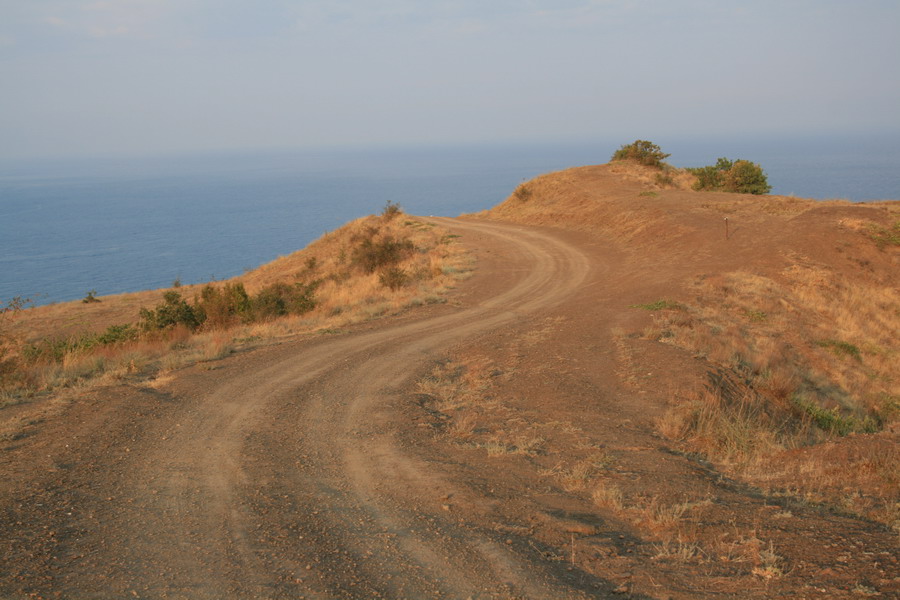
[577, 475]
[783, 334]
[817, 355]
[608, 495]
[734, 431]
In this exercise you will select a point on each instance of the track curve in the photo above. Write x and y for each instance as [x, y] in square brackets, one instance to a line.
[283, 477]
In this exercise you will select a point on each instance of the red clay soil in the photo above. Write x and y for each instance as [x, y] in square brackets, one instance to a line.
[319, 468]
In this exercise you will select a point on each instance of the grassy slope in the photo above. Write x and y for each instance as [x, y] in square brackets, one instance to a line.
[798, 309]
[346, 295]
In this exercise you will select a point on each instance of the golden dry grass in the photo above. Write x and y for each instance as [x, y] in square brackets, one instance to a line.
[818, 353]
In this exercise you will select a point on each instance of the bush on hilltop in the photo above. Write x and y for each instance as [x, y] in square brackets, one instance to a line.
[642, 152]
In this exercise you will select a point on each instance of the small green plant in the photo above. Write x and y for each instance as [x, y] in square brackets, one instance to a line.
[642, 152]
[281, 299]
[885, 236]
[659, 305]
[840, 348]
[91, 297]
[177, 282]
[831, 421]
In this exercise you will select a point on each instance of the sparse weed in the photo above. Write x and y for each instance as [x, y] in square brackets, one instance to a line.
[576, 476]
[608, 495]
[659, 305]
[679, 551]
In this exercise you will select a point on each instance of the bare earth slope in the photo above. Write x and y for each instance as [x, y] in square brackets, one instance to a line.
[503, 446]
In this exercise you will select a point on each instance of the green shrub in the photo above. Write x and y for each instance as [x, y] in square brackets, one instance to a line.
[174, 310]
[739, 176]
[281, 299]
[116, 334]
[745, 177]
[91, 297]
[372, 256]
[711, 177]
[218, 308]
[642, 152]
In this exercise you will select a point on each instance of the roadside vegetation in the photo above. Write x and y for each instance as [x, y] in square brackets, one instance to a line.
[374, 266]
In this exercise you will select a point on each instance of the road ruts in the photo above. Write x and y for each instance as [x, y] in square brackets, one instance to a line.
[283, 477]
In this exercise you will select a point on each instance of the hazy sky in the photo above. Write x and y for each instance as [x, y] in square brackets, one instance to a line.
[149, 76]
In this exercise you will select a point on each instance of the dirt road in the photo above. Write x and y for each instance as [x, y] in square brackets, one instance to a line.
[316, 469]
[278, 473]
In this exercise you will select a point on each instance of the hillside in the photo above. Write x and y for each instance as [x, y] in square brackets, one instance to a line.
[790, 321]
[47, 348]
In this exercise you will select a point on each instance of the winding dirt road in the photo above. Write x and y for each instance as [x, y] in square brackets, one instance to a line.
[279, 473]
[315, 469]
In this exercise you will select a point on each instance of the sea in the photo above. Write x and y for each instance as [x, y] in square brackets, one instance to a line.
[119, 224]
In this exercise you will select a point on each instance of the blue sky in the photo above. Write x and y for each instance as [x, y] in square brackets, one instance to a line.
[95, 77]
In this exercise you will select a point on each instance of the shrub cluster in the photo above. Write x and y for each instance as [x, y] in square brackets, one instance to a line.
[221, 307]
[739, 176]
[642, 152]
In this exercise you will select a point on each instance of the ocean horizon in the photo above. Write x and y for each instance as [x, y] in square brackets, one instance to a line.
[115, 225]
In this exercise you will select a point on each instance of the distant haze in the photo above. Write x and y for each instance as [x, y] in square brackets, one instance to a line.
[108, 77]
